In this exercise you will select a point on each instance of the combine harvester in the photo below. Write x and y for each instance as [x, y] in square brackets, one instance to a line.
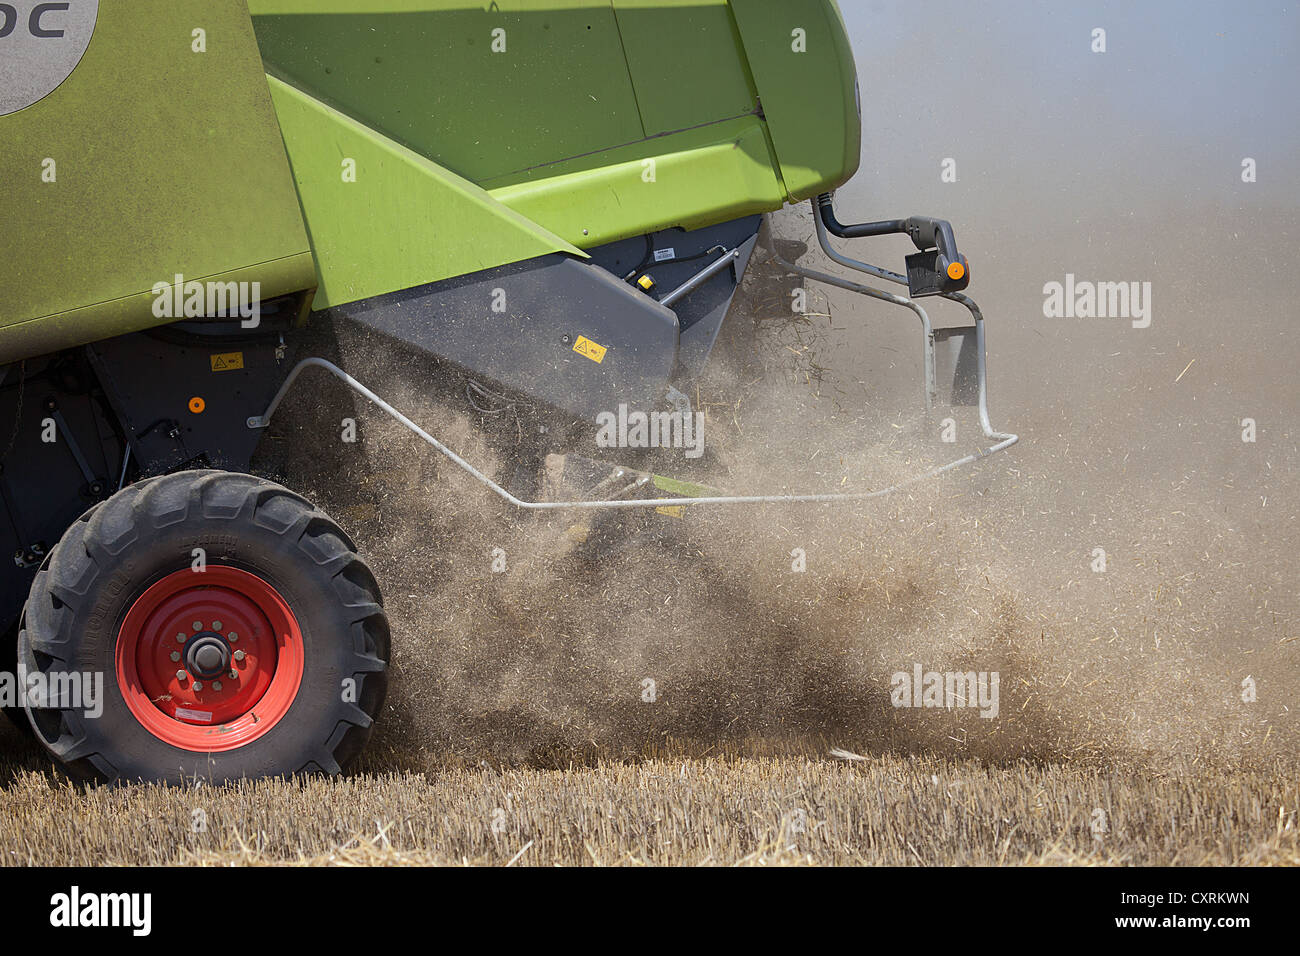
[560, 197]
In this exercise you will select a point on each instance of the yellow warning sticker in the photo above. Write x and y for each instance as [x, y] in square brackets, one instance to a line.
[585, 346]
[226, 361]
[672, 511]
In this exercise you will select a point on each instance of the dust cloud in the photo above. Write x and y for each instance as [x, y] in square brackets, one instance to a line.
[1122, 167]
[634, 634]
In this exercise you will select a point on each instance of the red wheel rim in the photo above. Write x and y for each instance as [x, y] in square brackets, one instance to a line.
[180, 643]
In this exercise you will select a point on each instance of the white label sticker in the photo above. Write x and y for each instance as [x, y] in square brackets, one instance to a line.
[662, 255]
[205, 716]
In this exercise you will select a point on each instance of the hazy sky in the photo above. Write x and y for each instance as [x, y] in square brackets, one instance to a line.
[1122, 166]
[1013, 91]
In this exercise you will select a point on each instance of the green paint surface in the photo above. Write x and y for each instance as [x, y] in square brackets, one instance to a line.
[430, 80]
[686, 62]
[555, 107]
[683, 489]
[166, 160]
[596, 120]
[693, 179]
[384, 218]
[809, 98]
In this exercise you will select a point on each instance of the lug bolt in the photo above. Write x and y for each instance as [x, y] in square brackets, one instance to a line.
[239, 655]
[216, 625]
[233, 673]
[181, 675]
[180, 638]
[216, 685]
[176, 655]
[197, 625]
[232, 637]
[198, 685]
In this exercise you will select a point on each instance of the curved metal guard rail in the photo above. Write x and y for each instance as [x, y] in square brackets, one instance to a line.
[1003, 440]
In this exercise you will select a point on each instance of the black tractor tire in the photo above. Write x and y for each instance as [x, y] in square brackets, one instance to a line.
[9, 665]
[148, 532]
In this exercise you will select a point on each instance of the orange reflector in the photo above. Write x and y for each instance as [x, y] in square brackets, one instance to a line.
[956, 270]
[197, 405]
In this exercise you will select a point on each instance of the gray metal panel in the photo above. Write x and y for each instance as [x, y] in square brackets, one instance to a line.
[528, 346]
[714, 299]
[956, 362]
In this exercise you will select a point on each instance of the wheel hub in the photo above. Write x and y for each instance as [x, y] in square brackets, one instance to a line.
[209, 660]
[207, 655]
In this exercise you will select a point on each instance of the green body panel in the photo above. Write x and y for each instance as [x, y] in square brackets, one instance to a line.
[395, 219]
[686, 63]
[599, 120]
[704, 176]
[167, 162]
[424, 74]
[558, 120]
[810, 99]
[102, 319]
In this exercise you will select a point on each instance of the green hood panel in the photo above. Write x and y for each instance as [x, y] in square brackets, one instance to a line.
[384, 218]
[699, 177]
[423, 73]
[553, 106]
[165, 161]
[392, 145]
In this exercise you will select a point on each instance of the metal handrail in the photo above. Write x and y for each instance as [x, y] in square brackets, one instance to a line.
[1003, 440]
